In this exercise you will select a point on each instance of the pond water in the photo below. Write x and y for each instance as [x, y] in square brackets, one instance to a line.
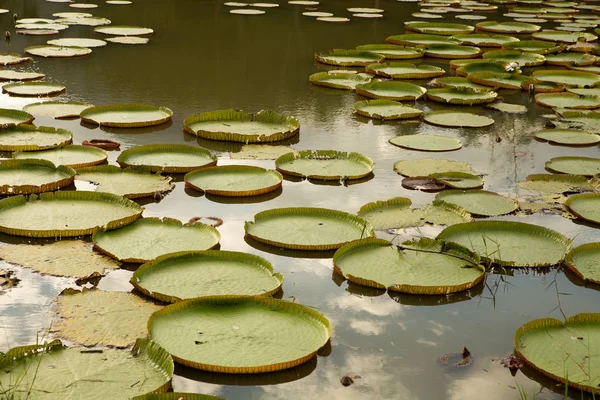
[202, 58]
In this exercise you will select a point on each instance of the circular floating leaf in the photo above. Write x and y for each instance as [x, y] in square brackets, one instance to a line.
[325, 164]
[439, 28]
[459, 180]
[590, 68]
[333, 19]
[122, 30]
[126, 115]
[570, 59]
[568, 78]
[385, 110]
[28, 89]
[365, 10]
[583, 261]
[170, 158]
[514, 244]
[65, 214]
[77, 42]
[479, 202]
[129, 183]
[127, 40]
[507, 27]
[424, 267]
[508, 108]
[12, 58]
[109, 374]
[565, 37]
[534, 46]
[51, 51]
[428, 166]
[391, 90]
[513, 56]
[348, 58]
[403, 70]
[154, 237]
[458, 82]
[392, 51]
[585, 92]
[317, 14]
[585, 206]
[247, 11]
[462, 96]
[57, 109]
[42, 27]
[452, 51]
[85, 21]
[339, 80]
[423, 183]
[238, 126]
[563, 351]
[33, 176]
[556, 184]
[457, 119]
[11, 118]
[8, 75]
[234, 180]
[307, 228]
[420, 40]
[585, 166]
[426, 142]
[484, 40]
[31, 138]
[488, 66]
[396, 213]
[239, 334]
[194, 274]
[569, 137]
[501, 80]
[73, 156]
[176, 396]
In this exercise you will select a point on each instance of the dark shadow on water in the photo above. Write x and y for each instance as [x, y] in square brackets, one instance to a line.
[355, 288]
[147, 129]
[278, 251]
[10, 239]
[577, 281]
[245, 199]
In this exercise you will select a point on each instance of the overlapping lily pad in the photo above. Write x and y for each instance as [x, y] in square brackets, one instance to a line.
[391, 90]
[206, 333]
[564, 37]
[479, 202]
[126, 115]
[420, 40]
[392, 51]
[12, 58]
[52, 51]
[348, 58]
[124, 30]
[458, 82]
[513, 56]
[426, 142]
[234, 180]
[239, 126]
[33, 89]
[440, 28]
[424, 267]
[129, 183]
[501, 80]
[556, 184]
[461, 95]
[568, 78]
[483, 40]
[583, 261]
[128, 40]
[404, 70]
[77, 42]
[170, 158]
[9, 75]
[569, 137]
[325, 164]
[570, 58]
[586, 166]
[385, 110]
[32, 138]
[452, 51]
[457, 119]
[339, 80]
[74, 156]
[195, 274]
[514, 244]
[11, 118]
[508, 27]
[489, 66]
[534, 46]
[586, 206]
[57, 109]
[458, 180]
[33, 176]
[567, 100]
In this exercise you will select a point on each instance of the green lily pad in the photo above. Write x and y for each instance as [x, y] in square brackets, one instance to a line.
[148, 238]
[588, 68]
[514, 244]
[507, 27]
[567, 100]
[385, 110]
[439, 28]
[169, 158]
[12, 118]
[9, 75]
[176, 396]
[568, 137]
[36, 89]
[126, 115]
[462, 96]
[564, 37]
[458, 180]
[501, 80]
[307, 228]
[564, 351]
[124, 30]
[31, 138]
[238, 126]
[109, 374]
[260, 152]
[234, 180]
[483, 40]
[508, 108]
[77, 42]
[396, 213]
[570, 59]
[489, 66]
[206, 333]
[339, 80]
[567, 78]
[129, 183]
[426, 142]
[585, 206]
[65, 214]
[452, 51]
[555, 184]
[33, 176]
[456, 119]
[579, 119]
[325, 164]
[404, 70]
[348, 58]
[479, 202]
[74, 156]
[458, 82]
[513, 56]
[586, 166]
[50, 51]
[420, 40]
[391, 90]
[583, 261]
[57, 109]
[585, 91]
[194, 274]
[12, 59]
[392, 51]
[534, 46]
[424, 267]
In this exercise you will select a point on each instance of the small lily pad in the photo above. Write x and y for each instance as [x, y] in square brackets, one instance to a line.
[12, 59]
[57, 109]
[423, 183]
[556, 184]
[435, 28]
[565, 37]
[568, 78]
[33, 176]
[420, 40]
[9, 75]
[484, 40]
[123, 30]
[51, 51]
[508, 27]
[583, 261]
[501, 80]
[77, 42]
[385, 110]
[32, 138]
[392, 51]
[404, 70]
[462, 96]
[339, 80]
[513, 56]
[452, 51]
[126, 115]
[508, 108]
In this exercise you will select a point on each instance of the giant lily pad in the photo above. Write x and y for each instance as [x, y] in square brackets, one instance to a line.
[564, 351]
[234, 180]
[568, 78]
[195, 274]
[33, 176]
[440, 28]
[50, 371]
[391, 90]
[501, 80]
[586, 166]
[392, 51]
[569, 58]
[583, 261]
[507, 27]
[456, 119]
[385, 110]
[403, 70]
[176, 396]
[425, 267]
[73, 156]
[567, 100]
[426, 142]
[124, 30]
[461, 96]
[514, 244]
[489, 66]
[484, 40]
[51, 51]
[348, 58]
[9, 75]
[57, 109]
[148, 238]
[11, 118]
[568, 137]
[239, 334]
[31, 138]
[12, 59]
[534, 46]
[479, 202]
[452, 51]
[585, 206]
[325, 164]
[77, 42]
[238, 126]
[94, 317]
[28, 89]
[458, 82]
[339, 80]
[513, 56]
[396, 213]
[307, 228]
[428, 166]
[565, 37]
[555, 184]
[171, 158]
[458, 180]
[129, 183]
[420, 40]
[65, 214]
[580, 119]
[126, 115]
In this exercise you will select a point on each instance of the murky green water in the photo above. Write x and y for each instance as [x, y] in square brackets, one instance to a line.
[201, 58]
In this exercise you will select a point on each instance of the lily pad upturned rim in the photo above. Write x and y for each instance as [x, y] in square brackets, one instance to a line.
[572, 264]
[67, 172]
[543, 136]
[87, 115]
[100, 155]
[501, 80]
[386, 50]
[75, 51]
[234, 168]
[443, 196]
[445, 51]
[491, 26]
[447, 179]
[102, 29]
[68, 137]
[420, 71]
[50, 103]
[445, 29]
[406, 91]
[53, 88]
[215, 254]
[417, 39]
[24, 116]
[361, 108]
[327, 79]
[158, 148]
[476, 96]
[363, 58]
[548, 164]
[549, 75]
[571, 204]
[291, 124]
[17, 58]
[324, 154]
